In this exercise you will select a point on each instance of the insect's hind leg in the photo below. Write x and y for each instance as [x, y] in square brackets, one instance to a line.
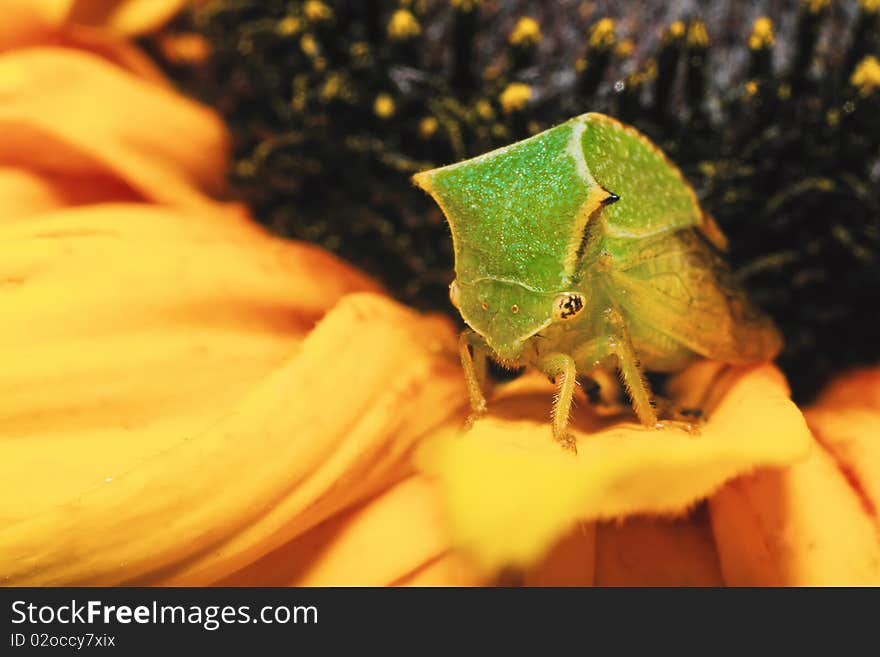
[617, 343]
[635, 382]
[475, 368]
[562, 368]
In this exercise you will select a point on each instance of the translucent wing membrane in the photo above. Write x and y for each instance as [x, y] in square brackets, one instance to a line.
[681, 287]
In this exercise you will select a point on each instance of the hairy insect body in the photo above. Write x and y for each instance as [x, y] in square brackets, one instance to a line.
[583, 248]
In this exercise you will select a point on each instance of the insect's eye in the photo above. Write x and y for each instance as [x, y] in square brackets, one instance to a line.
[454, 294]
[567, 305]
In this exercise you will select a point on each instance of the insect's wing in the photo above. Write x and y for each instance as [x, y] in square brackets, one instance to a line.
[682, 288]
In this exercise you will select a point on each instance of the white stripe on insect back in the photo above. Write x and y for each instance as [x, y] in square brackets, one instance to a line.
[576, 150]
[595, 193]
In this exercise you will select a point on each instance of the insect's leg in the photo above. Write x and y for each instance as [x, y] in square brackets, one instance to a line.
[618, 344]
[562, 368]
[474, 371]
[631, 371]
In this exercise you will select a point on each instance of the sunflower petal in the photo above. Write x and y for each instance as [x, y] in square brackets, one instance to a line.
[155, 383]
[511, 492]
[26, 193]
[797, 526]
[657, 552]
[59, 116]
[121, 319]
[28, 23]
[451, 569]
[129, 17]
[571, 562]
[815, 522]
[852, 437]
[327, 428]
[859, 388]
[394, 537]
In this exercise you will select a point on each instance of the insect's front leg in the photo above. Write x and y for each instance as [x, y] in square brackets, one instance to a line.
[562, 368]
[617, 343]
[475, 368]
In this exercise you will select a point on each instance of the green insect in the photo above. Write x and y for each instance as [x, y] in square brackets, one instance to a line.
[583, 249]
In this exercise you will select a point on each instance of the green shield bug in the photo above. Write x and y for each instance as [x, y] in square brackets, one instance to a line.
[583, 248]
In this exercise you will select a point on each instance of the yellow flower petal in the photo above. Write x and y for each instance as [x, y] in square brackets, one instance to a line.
[60, 115]
[25, 193]
[815, 523]
[802, 525]
[130, 17]
[126, 318]
[657, 552]
[571, 562]
[511, 492]
[326, 429]
[859, 388]
[25, 18]
[154, 386]
[388, 539]
[852, 436]
[28, 23]
[449, 570]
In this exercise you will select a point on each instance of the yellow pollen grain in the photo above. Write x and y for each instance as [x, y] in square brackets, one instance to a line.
[484, 110]
[625, 48]
[527, 32]
[602, 35]
[751, 88]
[315, 10]
[308, 45]
[833, 117]
[676, 30]
[866, 76]
[465, 5]
[403, 25]
[289, 25]
[515, 97]
[331, 87]
[245, 168]
[384, 106]
[697, 36]
[784, 92]
[762, 36]
[428, 127]
[187, 48]
[580, 65]
[816, 6]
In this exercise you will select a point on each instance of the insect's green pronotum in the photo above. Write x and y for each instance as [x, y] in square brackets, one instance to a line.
[583, 248]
